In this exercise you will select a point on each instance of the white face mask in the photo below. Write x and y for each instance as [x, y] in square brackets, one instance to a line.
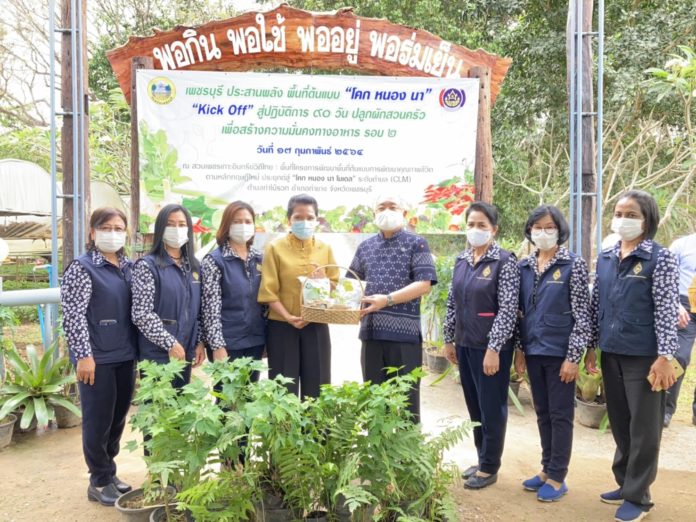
[241, 232]
[109, 242]
[478, 237]
[175, 237]
[388, 220]
[627, 228]
[543, 240]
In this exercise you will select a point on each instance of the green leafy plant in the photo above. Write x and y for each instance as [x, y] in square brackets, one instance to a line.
[434, 303]
[35, 387]
[401, 466]
[187, 436]
[174, 441]
[280, 453]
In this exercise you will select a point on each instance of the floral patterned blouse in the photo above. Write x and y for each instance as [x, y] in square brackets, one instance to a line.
[75, 294]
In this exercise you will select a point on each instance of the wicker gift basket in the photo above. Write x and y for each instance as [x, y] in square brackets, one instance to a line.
[328, 313]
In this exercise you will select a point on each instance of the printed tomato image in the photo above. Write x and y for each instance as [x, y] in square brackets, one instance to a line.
[453, 195]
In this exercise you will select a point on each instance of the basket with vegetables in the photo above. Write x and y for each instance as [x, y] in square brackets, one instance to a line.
[340, 304]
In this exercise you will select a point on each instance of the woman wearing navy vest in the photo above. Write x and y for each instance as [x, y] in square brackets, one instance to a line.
[167, 295]
[96, 299]
[553, 334]
[635, 302]
[481, 316]
[233, 319]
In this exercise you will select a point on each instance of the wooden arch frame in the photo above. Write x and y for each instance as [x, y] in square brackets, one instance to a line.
[298, 39]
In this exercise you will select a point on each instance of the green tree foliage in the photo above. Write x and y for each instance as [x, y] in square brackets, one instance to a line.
[530, 117]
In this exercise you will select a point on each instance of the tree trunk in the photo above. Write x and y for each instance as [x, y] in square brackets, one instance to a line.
[483, 170]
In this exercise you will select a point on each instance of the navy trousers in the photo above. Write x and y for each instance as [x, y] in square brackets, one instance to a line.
[554, 403]
[375, 356]
[486, 400]
[635, 414]
[303, 355]
[104, 408]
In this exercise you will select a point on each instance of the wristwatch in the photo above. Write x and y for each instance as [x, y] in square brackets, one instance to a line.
[668, 356]
[390, 300]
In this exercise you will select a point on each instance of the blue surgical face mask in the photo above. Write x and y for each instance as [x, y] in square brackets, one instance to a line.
[303, 229]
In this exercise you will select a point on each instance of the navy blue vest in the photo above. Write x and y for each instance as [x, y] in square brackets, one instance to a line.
[243, 323]
[177, 303]
[476, 300]
[626, 312]
[112, 335]
[547, 318]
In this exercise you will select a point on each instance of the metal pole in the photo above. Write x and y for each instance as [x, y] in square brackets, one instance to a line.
[600, 118]
[53, 276]
[578, 130]
[571, 114]
[82, 137]
[76, 113]
[52, 309]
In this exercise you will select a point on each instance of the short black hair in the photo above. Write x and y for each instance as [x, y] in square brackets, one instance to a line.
[302, 199]
[558, 219]
[489, 210]
[648, 207]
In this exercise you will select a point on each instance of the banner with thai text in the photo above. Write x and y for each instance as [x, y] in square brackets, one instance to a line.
[209, 138]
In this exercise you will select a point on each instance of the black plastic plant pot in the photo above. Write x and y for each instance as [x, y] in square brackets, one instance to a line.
[139, 514]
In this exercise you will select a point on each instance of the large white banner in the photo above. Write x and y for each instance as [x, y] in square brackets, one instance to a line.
[209, 138]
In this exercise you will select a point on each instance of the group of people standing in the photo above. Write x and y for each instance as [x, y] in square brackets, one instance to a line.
[240, 303]
[235, 303]
[540, 313]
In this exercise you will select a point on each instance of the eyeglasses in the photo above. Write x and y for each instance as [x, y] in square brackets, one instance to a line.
[546, 230]
[107, 228]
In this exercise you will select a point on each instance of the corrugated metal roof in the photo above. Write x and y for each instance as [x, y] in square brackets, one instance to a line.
[26, 230]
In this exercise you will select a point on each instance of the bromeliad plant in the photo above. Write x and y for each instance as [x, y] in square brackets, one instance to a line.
[36, 386]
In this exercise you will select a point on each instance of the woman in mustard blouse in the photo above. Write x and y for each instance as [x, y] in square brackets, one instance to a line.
[296, 349]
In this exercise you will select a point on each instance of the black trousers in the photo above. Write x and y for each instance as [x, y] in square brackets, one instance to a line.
[486, 399]
[636, 414]
[687, 336]
[104, 408]
[554, 403]
[303, 355]
[376, 356]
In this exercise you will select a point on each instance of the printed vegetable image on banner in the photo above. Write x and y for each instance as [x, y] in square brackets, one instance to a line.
[209, 138]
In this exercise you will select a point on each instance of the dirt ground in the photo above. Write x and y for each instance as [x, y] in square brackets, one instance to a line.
[43, 476]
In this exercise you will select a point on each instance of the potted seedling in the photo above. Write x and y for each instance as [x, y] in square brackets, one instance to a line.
[338, 413]
[590, 400]
[404, 468]
[179, 429]
[434, 310]
[281, 455]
